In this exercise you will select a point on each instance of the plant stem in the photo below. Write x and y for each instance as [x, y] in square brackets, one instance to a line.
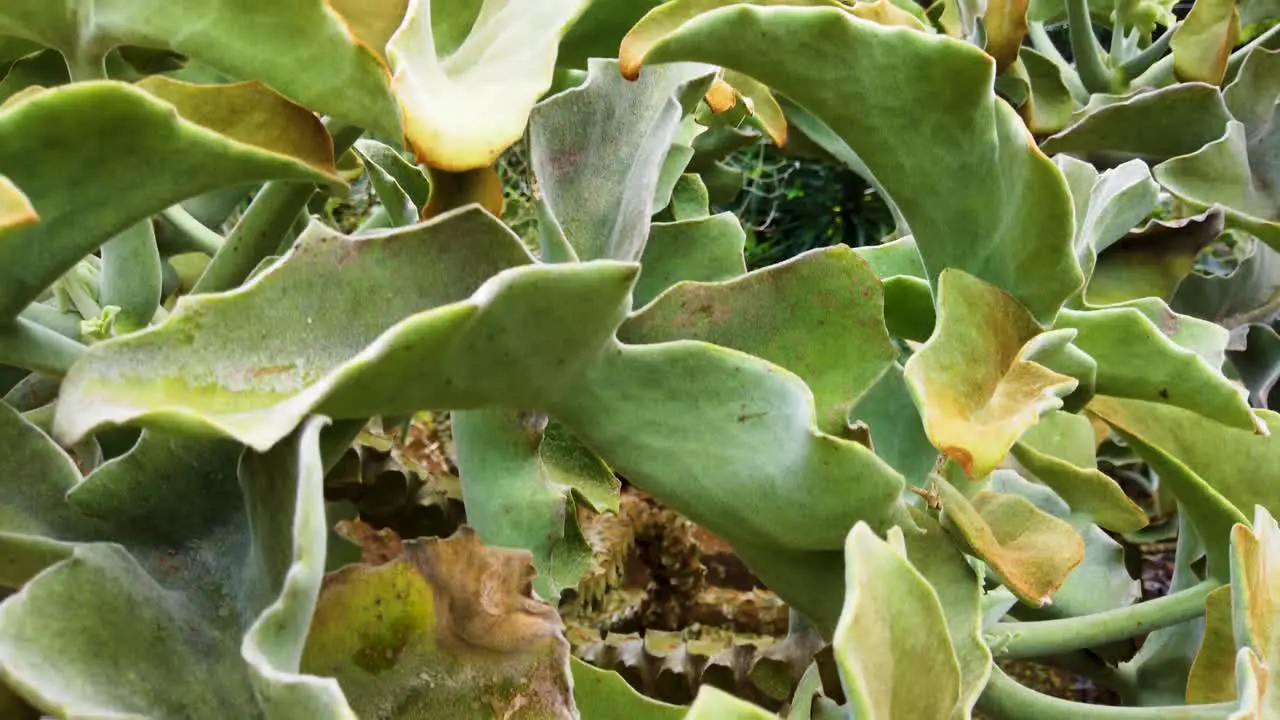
[1041, 42]
[1095, 75]
[27, 345]
[258, 233]
[1048, 637]
[190, 233]
[1267, 39]
[1138, 64]
[1004, 697]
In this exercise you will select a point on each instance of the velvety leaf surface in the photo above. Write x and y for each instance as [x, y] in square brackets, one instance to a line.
[819, 315]
[519, 476]
[254, 41]
[1108, 204]
[959, 590]
[974, 380]
[603, 694]
[1005, 23]
[1032, 551]
[1214, 470]
[1255, 585]
[1136, 359]
[597, 151]
[1212, 677]
[1059, 452]
[707, 249]
[1150, 125]
[402, 188]
[172, 614]
[1259, 362]
[1203, 42]
[462, 106]
[1016, 216]
[116, 133]
[1049, 105]
[646, 410]
[446, 630]
[888, 603]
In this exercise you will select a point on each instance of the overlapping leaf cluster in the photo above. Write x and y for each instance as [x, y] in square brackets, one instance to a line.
[904, 441]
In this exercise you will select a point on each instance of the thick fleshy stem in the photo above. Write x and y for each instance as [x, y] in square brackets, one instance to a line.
[1004, 697]
[35, 347]
[1095, 75]
[1042, 43]
[190, 233]
[1048, 637]
[1140, 63]
[272, 212]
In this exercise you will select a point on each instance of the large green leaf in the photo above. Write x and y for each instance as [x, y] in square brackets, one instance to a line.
[597, 151]
[301, 48]
[712, 703]
[463, 104]
[819, 315]
[897, 431]
[1211, 468]
[603, 694]
[1139, 359]
[1150, 125]
[1013, 227]
[115, 133]
[519, 477]
[529, 337]
[1212, 676]
[1030, 550]
[1250, 293]
[1108, 204]
[889, 604]
[202, 634]
[976, 381]
[448, 629]
[909, 312]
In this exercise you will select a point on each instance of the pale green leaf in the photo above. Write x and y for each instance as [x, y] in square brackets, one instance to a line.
[462, 107]
[706, 249]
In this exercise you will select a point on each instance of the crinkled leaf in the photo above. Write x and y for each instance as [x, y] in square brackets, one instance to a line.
[446, 630]
[402, 188]
[116, 133]
[519, 476]
[820, 315]
[258, 41]
[1032, 551]
[462, 107]
[529, 337]
[1101, 581]
[1059, 452]
[172, 613]
[1018, 222]
[889, 604]
[1108, 205]
[603, 694]
[1139, 359]
[1212, 677]
[1049, 105]
[1230, 174]
[975, 381]
[597, 151]
[707, 249]
[1211, 468]
[1203, 41]
[1150, 125]
[959, 589]
[1253, 688]
[1153, 260]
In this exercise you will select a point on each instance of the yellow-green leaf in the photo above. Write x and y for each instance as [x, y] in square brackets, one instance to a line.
[1202, 43]
[975, 380]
